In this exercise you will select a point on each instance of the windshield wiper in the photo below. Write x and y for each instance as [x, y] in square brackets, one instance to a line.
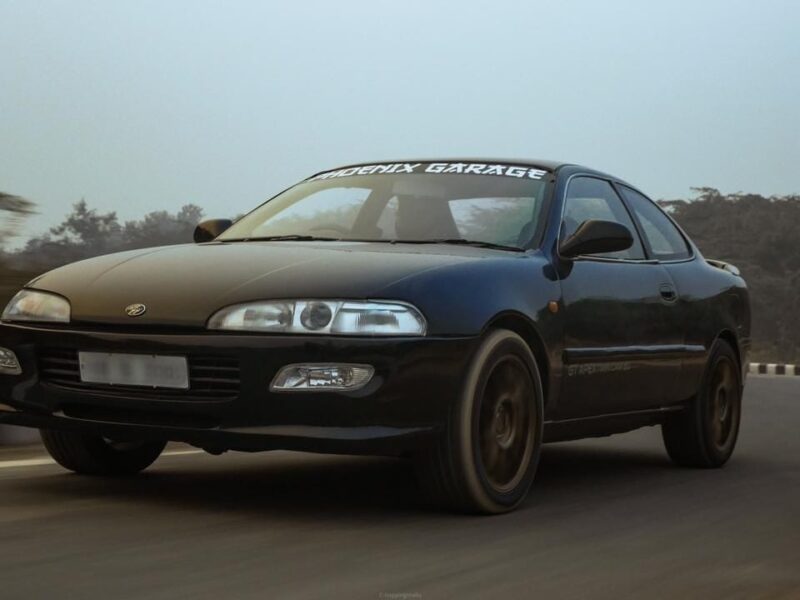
[462, 242]
[292, 237]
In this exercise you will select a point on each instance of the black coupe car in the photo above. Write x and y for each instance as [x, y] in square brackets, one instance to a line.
[456, 312]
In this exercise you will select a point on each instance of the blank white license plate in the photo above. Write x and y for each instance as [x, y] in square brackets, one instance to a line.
[134, 369]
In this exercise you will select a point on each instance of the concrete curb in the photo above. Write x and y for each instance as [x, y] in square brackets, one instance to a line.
[774, 369]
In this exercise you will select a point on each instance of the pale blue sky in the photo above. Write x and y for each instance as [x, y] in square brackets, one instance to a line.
[145, 105]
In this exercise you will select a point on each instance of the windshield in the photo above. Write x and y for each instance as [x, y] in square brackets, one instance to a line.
[405, 202]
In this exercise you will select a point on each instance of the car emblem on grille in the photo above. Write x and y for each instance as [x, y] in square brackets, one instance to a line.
[135, 310]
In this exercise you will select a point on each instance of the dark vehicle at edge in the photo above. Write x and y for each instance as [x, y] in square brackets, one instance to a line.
[456, 312]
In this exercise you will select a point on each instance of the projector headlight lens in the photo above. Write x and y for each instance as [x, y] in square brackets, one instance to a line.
[333, 317]
[32, 305]
[316, 315]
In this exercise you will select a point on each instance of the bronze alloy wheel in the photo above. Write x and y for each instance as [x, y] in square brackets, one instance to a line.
[704, 433]
[505, 424]
[723, 403]
[486, 459]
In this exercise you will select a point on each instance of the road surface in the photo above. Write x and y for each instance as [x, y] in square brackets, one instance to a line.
[607, 518]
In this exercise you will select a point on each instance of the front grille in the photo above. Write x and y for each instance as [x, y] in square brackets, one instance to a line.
[211, 378]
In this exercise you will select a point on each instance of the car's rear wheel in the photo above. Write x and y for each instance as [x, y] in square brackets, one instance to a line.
[705, 433]
[95, 455]
[486, 458]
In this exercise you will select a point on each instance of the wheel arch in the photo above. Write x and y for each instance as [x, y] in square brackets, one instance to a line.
[523, 327]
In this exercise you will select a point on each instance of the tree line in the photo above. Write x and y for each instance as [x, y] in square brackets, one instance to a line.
[758, 234]
[84, 233]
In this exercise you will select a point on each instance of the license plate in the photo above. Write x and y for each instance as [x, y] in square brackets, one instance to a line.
[145, 370]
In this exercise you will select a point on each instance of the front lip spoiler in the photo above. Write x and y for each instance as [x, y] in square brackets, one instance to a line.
[373, 439]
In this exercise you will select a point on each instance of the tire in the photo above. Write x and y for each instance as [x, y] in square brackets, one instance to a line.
[704, 435]
[94, 455]
[485, 459]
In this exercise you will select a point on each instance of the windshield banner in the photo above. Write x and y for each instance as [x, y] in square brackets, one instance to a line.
[448, 168]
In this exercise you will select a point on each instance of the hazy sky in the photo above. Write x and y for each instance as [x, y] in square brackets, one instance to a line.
[140, 106]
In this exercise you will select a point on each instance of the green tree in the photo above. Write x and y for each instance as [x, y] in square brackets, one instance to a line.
[83, 233]
[162, 228]
[86, 232]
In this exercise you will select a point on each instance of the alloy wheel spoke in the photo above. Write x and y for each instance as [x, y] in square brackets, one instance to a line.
[504, 426]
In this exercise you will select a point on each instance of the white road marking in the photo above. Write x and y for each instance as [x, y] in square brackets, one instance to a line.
[181, 452]
[30, 462]
[37, 462]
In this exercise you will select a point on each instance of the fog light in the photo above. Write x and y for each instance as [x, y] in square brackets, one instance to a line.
[322, 378]
[9, 363]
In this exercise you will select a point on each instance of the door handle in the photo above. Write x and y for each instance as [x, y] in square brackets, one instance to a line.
[668, 293]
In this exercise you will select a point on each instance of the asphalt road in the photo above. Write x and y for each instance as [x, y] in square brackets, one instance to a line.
[607, 518]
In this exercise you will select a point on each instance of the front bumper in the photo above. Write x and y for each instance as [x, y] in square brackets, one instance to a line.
[415, 381]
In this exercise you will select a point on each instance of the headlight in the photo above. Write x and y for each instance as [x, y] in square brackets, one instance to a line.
[31, 305]
[335, 317]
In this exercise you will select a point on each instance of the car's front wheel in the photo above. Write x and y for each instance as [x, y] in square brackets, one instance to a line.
[705, 433]
[486, 457]
[89, 454]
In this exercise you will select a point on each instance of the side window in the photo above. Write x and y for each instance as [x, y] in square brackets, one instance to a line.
[666, 242]
[590, 198]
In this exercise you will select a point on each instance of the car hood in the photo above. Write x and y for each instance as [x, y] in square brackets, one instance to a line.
[184, 285]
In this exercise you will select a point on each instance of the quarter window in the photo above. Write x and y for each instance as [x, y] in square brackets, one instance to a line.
[590, 198]
[664, 239]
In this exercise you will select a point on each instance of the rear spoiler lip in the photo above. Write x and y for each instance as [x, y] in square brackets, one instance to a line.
[725, 266]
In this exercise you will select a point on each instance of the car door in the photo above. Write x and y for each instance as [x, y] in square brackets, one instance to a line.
[666, 244]
[620, 326]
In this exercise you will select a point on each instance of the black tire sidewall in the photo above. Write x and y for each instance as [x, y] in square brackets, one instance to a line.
[90, 454]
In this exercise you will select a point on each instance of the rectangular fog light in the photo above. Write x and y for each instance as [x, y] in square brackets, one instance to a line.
[322, 378]
[9, 364]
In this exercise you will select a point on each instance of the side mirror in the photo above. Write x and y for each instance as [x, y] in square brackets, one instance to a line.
[208, 230]
[596, 237]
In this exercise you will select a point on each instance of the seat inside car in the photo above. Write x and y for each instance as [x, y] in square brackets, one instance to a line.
[421, 218]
